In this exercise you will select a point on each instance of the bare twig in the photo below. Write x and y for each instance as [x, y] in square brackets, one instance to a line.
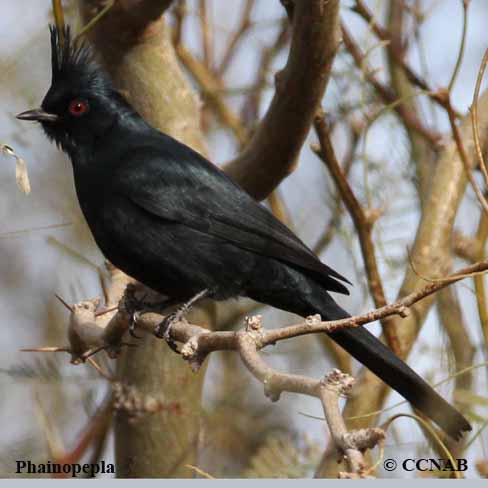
[474, 250]
[206, 28]
[328, 389]
[336, 214]
[397, 52]
[91, 23]
[250, 109]
[479, 281]
[462, 45]
[363, 220]
[242, 29]
[211, 87]
[474, 119]
[389, 97]
[468, 165]
[58, 12]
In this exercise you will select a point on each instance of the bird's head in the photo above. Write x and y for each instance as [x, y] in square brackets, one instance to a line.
[81, 104]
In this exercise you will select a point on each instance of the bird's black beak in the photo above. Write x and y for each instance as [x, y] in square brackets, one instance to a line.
[39, 115]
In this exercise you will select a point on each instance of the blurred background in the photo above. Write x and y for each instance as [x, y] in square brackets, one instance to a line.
[46, 248]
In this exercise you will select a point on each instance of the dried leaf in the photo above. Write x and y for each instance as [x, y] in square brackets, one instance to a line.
[21, 175]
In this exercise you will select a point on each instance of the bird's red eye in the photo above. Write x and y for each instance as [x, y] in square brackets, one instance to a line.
[78, 107]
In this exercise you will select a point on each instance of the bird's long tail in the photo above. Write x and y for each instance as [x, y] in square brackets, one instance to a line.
[377, 357]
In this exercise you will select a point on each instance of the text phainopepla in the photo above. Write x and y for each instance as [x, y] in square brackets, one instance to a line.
[172, 220]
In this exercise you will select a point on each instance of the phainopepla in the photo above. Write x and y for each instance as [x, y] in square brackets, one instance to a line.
[172, 220]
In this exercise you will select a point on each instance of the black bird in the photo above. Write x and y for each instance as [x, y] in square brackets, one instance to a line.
[172, 220]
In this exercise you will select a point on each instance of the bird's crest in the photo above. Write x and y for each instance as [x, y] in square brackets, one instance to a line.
[73, 63]
[68, 55]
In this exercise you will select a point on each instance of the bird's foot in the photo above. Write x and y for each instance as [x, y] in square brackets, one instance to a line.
[133, 317]
[135, 307]
[163, 329]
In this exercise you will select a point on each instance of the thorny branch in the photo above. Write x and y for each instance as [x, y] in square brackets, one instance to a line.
[91, 331]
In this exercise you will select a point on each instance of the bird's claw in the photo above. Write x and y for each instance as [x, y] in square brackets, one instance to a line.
[133, 324]
[163, 330]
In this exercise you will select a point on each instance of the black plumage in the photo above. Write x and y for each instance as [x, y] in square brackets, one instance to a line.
[166, 216]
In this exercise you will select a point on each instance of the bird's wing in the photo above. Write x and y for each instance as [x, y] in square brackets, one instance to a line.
[177, 184]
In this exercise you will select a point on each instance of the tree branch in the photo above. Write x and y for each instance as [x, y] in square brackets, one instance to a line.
[272, 152]
[96, 330]
[363, 220]
[430, 254]
[136, 404]
[388, 96]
